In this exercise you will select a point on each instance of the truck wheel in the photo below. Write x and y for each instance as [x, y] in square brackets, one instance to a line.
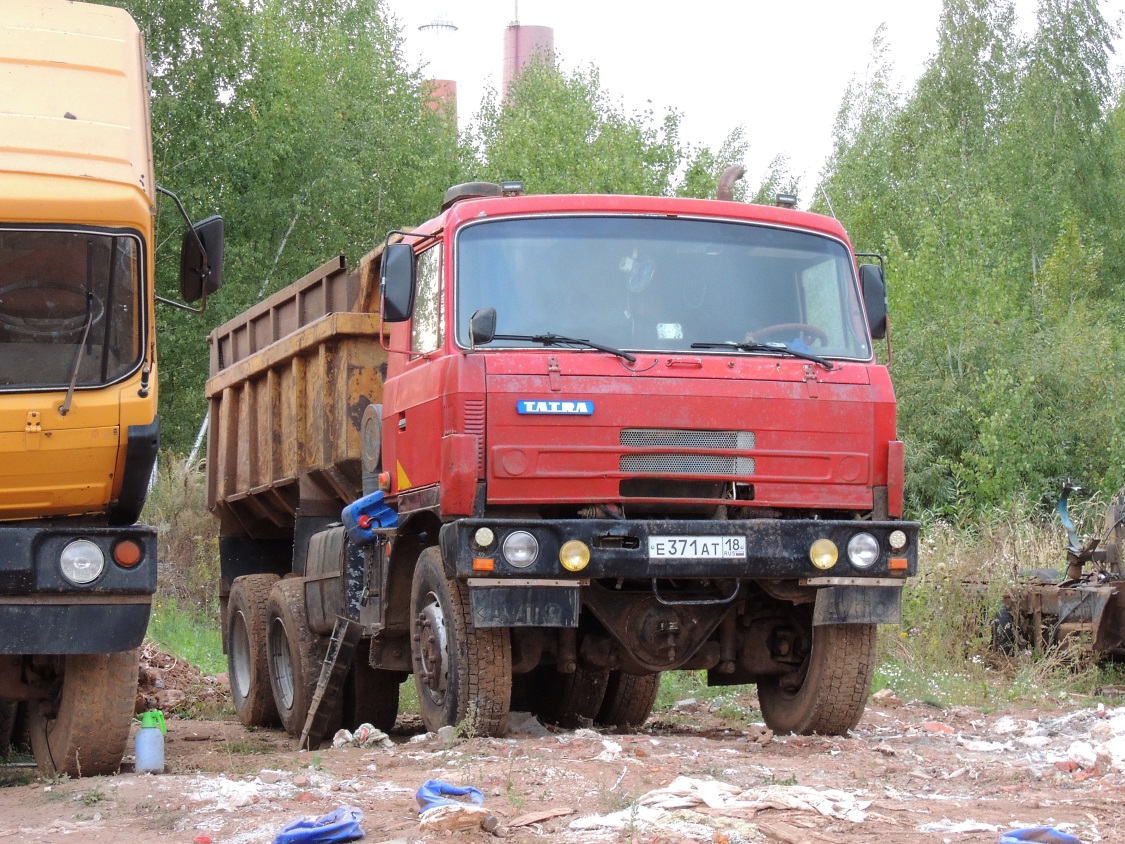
[628, 700]
[295, 654]
[828, 695]
[247, 616]
[463, 673]
[370, 694]
[570, 700]
[84, 730]
[8, 712]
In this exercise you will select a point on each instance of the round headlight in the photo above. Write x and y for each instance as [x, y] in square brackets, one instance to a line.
[824, 553]
[81, 561]
[520, 549]
[863, 550]
[483, 538]
[574, 555]
[897, 539]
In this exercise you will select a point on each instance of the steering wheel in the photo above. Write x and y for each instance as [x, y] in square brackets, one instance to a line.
[785, 331]
[46, 309]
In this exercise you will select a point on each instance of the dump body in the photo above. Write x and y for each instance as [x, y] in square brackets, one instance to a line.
[622, 435]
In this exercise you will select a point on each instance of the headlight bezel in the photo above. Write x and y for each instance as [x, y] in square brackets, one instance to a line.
[81, 562]
[863, 551]
[520, 549]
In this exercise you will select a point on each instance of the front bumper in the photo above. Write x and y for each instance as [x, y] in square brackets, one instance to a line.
[775, 549]
[41, 612]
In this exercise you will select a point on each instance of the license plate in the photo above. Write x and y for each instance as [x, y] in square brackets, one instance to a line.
[697, 547]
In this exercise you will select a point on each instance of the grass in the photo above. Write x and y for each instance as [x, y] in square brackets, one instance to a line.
[189, 635]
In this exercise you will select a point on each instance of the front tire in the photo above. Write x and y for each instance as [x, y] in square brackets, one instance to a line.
[247, 664]
[295, 654]
[84, 730]
[828, 695]
[463, 673]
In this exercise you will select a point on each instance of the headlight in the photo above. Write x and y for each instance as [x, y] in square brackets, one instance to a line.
[824, 553]
[520, 549]
[574, 555]
[863, 550]
[81, 561]
[897, 539]
[483, 538]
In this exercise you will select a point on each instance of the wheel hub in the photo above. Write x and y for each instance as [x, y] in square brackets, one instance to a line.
[432, 649]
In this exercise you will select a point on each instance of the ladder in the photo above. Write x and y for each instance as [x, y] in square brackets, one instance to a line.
[341, 652]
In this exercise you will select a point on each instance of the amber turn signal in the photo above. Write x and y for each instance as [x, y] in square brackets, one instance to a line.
[127, 553]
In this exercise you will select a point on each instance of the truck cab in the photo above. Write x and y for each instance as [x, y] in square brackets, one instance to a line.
[646, 434]
[78, 377]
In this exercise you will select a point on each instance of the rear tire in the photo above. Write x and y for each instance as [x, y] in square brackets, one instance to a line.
[8, 712]
[86, 733]
[247, 664]
[463, 673]
[628, 700]
[294, 654]
[828, 696]
[370, 694]
[569, 700]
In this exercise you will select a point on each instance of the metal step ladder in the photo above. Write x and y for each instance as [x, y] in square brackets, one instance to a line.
[341, 652]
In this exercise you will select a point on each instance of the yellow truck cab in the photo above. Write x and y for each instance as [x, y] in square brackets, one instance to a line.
[78, 377]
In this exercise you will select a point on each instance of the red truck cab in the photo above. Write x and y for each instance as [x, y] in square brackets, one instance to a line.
[627, 435]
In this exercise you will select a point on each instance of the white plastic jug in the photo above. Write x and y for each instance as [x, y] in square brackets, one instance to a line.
[148, 744]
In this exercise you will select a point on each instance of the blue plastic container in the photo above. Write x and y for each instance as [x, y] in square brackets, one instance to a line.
[364, 515]
[148, 744]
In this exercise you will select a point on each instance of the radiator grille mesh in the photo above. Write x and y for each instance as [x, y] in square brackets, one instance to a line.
[687, 464]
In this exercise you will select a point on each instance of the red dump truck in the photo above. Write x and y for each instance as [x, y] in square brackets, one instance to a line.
[589, 439]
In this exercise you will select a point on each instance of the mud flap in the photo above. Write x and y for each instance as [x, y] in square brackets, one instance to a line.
[858, 605]
[500, 605]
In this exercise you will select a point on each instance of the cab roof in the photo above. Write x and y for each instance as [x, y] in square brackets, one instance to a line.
[74, 93]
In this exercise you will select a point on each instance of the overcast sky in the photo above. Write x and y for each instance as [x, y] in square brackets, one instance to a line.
[779, 68]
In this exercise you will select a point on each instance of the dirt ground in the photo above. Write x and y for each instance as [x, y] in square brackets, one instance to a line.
[909, 773]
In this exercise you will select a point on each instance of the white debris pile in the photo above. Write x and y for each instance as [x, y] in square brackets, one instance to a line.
[1086, 742]
[704, 796]
[365, 735]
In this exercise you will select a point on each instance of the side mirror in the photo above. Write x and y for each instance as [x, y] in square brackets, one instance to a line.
[201, 271]
[482, 326]
[874, 299]
[398, 282]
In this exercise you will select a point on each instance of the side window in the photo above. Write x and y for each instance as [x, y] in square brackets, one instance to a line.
[426, 334]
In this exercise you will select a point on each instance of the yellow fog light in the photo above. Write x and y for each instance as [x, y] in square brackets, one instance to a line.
[574, 555]
[824, 553]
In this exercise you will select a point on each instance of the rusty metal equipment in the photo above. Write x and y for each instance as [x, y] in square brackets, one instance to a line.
[1089, 601]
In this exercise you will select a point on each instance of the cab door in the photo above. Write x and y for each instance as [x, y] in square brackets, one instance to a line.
[412, 413]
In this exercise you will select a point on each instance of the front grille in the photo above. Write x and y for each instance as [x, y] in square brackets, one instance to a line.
[687, 464]
[671, 438]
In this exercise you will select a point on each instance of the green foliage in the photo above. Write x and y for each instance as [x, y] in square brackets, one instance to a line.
[188, 636]
[994, 188]
[562, 132]
[301, 124]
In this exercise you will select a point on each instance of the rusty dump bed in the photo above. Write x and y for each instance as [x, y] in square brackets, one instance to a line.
[289, 382]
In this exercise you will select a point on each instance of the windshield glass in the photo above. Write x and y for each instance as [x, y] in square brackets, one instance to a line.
[660, 284]
[68, 299]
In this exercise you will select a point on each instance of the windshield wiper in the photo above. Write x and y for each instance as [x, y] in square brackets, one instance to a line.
[776, 348]
[560, 340]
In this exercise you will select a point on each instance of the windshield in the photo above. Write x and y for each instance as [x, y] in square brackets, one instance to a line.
[68, 299]
[646, 283]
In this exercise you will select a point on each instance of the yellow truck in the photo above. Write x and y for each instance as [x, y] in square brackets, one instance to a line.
[78, 376]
